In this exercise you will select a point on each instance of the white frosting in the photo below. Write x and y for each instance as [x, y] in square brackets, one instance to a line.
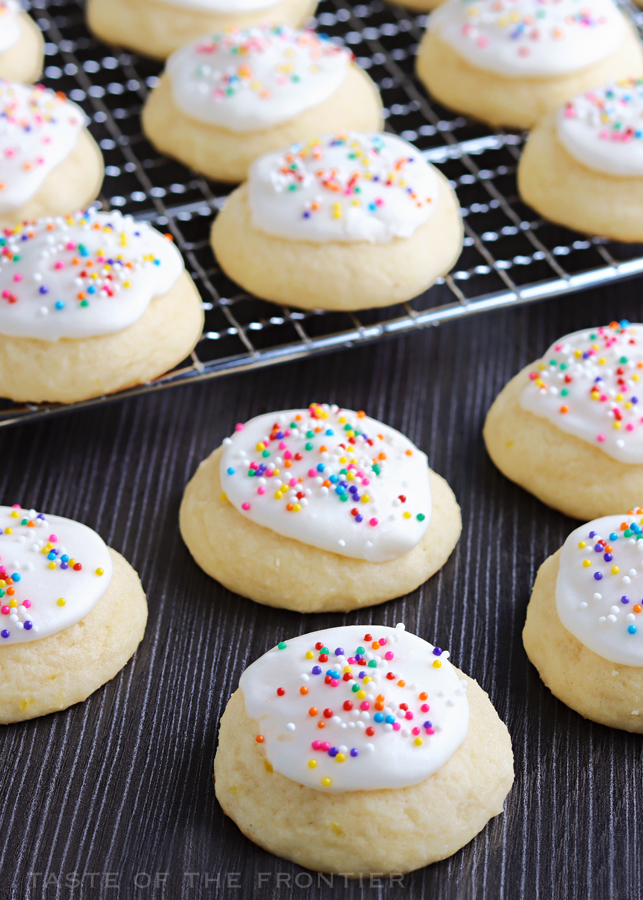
[252, 80]
[603, 129]
[38, 130]
[396, 731]
[289, 471]
[346, 188]
[224, 7]
[87, 274]
[600, 586]
[530, 38]
[589, 385]
[53, 572]
[9, 24]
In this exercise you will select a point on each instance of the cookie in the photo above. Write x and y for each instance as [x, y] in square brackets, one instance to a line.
[49, 163]
[568, 428]
[344, 222]
[227, 99]
[584, 628]
[583, 166]
[319, 509]
[90, 304]
[21, 44]
[361, 749]
[508, 62]
[72, 613]
[159, 27]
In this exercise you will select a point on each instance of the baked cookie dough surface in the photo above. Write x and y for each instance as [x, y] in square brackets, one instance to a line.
[226, 155]
[157, 28]
[514, 102]
[337, 276]
[600, 690]
[389, 831]
[259, 563]
[52, 673]
[23, 60]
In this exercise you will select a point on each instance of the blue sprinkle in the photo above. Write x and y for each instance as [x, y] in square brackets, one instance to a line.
[230, 470]
[379, 717]
[15, 576]
[390, 720]
[59, 304]
[632, 629]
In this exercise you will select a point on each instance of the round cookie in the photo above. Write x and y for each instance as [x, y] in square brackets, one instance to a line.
[89, 304]
[159, 27]
[228, 99]
[343, 512]
[361, 749]
[583, 165]
[508, 62]
[72, 613]
[568, 427]
[345, 222]
[21, 44]
[584, 629]
[49, 162]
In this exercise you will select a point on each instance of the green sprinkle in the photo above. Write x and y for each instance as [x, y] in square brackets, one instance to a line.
[354, 689]
[623, 359]
[359, 651]
[282, 645]
[552, 362]
[564, 392]
[251, 473]
[420, 517]
[84, 302]
[310, 434]
[308, 446]
[266, 454]
[372, 664]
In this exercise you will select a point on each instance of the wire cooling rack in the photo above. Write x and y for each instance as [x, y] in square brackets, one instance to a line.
[509, 258]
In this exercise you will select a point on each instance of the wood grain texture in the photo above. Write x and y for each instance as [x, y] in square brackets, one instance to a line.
[123, 783]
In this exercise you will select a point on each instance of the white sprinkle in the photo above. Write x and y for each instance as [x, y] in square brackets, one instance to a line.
[290, 726]
[598, 597]
[227, 441]
[611, 619]
[341, 543]
[305, 677]
[602, 620]
[401, 626]
[583, 605]
[336, 720]
[625, 579]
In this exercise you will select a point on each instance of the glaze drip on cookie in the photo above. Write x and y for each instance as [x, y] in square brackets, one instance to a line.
[250, 80]
[38, 131]
[530, 38]
[53, 571]
[356, 708]
[590, 384]
[9, 24]
[331, 478]
[83, 275]
[599, 589]
[350, 187]
[603, 128]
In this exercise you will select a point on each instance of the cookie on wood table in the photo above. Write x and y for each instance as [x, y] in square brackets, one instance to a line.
[72, 613]
[91, 303]
[584, 628]
[508, 62]
[343, 222]
[22, 46]
[361, 749]
[568, 428]
[227, 99]
[319, 509]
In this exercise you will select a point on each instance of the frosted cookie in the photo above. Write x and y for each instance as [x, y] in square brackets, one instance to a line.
[21, 44]
[583, 165]
[72, 612]
[159, 27]
[584, 628]
[225, 100]
[49, 162]
[569, 427]
[508, 62]
[89, 304]
[319, 509]
[361, 749]
[343, 222]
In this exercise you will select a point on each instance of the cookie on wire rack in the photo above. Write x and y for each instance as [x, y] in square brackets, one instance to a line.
[22, 46]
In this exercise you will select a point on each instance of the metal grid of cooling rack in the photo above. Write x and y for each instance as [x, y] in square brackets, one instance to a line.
[509, 257]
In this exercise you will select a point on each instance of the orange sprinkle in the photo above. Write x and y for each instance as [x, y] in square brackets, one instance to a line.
[260, 739]
[303, 690]
[312, 711]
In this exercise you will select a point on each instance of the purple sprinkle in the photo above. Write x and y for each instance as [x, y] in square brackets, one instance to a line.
[28, 625]
[339, 651]
[625, 599]
[354, 752]
[5, 633]
[437, 651]
[597, 576]
[316, 670]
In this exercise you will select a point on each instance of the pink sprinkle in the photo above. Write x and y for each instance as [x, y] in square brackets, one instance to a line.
[389, 655]
[312, 473]
[396, 726]
[293, 482]
[365, 705]
[5, 610]
[17, 278]
[72, 246]
[558, 348]
[482, 41]
[269, 473]
[239, 426]
[408, 714]
[532, 376]
[334, 682]
[425, 707]
[261, 490]
[287, 432]
[365, 482]
[351, 660]
[287, 455]
[629, 427]
[316, 745]
[416, 730]
[372, 522]
[53, 538]
[325, 746]
[382, 642]
[600, 437]
[253, 465]
[245, 506]
[58, 265]
[282, 445]
[26, 604]
[430, 731]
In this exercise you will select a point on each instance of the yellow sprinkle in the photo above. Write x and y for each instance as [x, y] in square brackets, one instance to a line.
[437, 664]
[342, 459]
[418, 741]
[261, 446]
[407, 515]
[342, 420]
[3, 584]
[578, 353]
[15, 514]
[614, 570]
[350, 476]
[49, 545]
[628, 405]
[542, 366]
[13, 602]
[326, 781]
[619, 396]
[296, 507]
[52, 565]
[602, 361]
[581, 544]
[100, 571]
[312, 763]
[224, 497]
[365, 498]
[276, 471]
[8, 531]
[310, 655]
[72, 562]
[127, 284]
[367, 678]
[361, 694]
[277, 495]
[586, 563]
[635, 377]
[61, 601]
[617, 424]
[345, 669]
[340, 757]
